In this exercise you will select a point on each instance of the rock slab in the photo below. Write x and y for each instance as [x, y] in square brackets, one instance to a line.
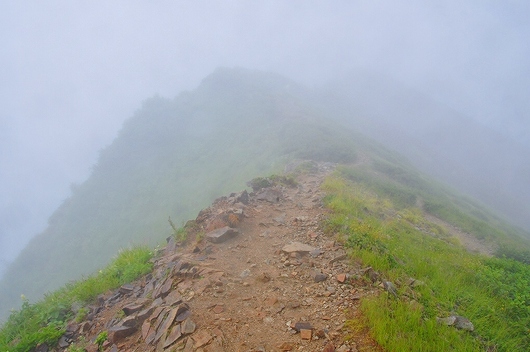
[117, 333]
[299, 247]
[221, 235]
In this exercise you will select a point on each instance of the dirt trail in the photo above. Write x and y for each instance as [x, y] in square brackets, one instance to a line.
[468, 241]
[246, 293]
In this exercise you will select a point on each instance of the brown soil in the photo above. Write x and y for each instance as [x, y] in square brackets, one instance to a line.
[246, 293]
[468, 241]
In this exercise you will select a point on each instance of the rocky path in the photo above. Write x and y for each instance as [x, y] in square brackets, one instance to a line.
[260, 276]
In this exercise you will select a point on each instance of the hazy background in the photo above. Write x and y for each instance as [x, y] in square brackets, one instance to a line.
[72, 72]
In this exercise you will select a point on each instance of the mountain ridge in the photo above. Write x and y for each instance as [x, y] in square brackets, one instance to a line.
[208, 287]
[176, 155]
[169, 160]
[282, 267]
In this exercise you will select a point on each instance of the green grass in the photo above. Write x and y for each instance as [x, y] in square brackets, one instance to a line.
[45, 321]
[100, 339]
[381, 227]
[406, 188]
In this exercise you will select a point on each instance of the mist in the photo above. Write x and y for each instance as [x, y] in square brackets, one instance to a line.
[72, 72]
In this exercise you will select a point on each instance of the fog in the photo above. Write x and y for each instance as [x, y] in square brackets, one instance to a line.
[72, 72]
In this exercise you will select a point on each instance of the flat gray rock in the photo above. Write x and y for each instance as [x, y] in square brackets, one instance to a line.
[297, 247]
[463, 323]
[319, 277]
[269, 195]
[457, 321]
[221, 235]
[188, 327]
[117, 333]
[132, 308]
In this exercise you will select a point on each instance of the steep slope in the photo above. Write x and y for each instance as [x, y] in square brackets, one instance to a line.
[170, 160]
[474, 159]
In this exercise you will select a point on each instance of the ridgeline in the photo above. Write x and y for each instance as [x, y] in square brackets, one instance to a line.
[408, 263]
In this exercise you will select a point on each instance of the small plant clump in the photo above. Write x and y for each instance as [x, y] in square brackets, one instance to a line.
[81, 314]
[179, 233]
[79, 346]
[100, 339]
[182, 234]
[258, 183]
[120, 314]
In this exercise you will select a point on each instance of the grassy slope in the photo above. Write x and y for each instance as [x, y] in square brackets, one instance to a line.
[45, 321]
[172, 158]
[375, 213]
[474, 159]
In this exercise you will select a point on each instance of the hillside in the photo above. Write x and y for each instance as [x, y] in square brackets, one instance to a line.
[326, 258]
[175, 156]
[440, 141]
[171, 159]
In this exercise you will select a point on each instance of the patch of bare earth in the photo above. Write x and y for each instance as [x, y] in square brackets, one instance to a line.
[276, 282]
[467, 240]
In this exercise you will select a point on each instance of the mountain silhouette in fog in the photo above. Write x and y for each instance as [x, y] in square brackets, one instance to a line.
[174, 156]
